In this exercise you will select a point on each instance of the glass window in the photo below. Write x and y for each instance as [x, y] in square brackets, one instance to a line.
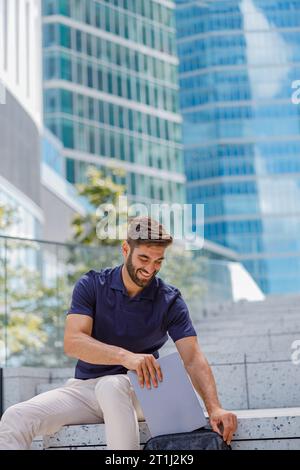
[112, 145]
[100, 79]
[138, 90]
[88, 12]
[91, 140]
[110, 82]
[79, 72]
[117, 22]
[77, 9]
[50, 68]
[98, 15]
[119, 86]
[51, 101]
[130, 119]
[102, 141]
[49, 7]
[91, 109]
[65, 36]
[126, 30]
[128, 88]
[65, 68]
[90, 81]
[89, 48]
[64, 7]
[66, 101]
[78, 39]
[49, 36]
[107, 144]
[131, 150]
[133, 186]
[81, 137]
[101, 112]
[67, 133]
[121, 117]
[70, 170]
[111, 114]
[122, 147]
[80, 105]
[107, 20]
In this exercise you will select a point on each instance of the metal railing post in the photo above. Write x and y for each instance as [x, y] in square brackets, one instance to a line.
[1, 392]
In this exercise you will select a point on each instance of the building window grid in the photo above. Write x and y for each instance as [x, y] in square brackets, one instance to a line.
[168, 130]
[151, 91]
[164, 72]
[165, 98]
[134, 145]
[143, 149]
[221, 231]
[110, 13]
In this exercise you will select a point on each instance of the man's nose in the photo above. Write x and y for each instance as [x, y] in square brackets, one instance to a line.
[152, 270]
[149, 270]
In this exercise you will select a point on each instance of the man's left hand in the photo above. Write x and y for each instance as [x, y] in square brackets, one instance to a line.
[224, 423]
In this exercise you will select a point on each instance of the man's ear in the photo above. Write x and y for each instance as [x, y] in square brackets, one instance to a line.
[125, 248]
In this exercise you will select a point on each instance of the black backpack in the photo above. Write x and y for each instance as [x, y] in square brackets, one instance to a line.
[199, 439]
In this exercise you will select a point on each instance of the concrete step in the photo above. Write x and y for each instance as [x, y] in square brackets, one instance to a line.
[242, 309]
[244, 315]
[253, 315]
[288, 300]
[247, 344]
[236, 308]
[257, 429]
[247, 330]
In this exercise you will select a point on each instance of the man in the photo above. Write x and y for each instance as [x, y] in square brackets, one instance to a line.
[119, 318]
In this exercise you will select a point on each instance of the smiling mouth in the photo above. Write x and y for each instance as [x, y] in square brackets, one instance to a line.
[146, 276]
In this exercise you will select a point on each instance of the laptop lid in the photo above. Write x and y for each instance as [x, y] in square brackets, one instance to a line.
[174, 406]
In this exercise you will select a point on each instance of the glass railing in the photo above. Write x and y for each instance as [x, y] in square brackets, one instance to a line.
[36, 282]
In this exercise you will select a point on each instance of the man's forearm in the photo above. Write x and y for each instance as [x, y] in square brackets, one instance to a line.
[88, 349]
[204, 383]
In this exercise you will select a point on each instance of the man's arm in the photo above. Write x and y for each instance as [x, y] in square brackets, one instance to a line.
[78, 343]
[203, 380]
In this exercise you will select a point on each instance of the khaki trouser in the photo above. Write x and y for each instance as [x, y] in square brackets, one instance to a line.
[110, 399]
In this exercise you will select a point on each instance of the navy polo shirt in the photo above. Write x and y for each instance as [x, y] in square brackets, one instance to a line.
[140, 324]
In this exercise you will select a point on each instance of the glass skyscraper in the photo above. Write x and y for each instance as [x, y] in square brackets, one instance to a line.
[111, 92]
[241, 131]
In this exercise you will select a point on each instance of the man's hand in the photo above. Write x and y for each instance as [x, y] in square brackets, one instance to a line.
[146, 367]
[224, 423]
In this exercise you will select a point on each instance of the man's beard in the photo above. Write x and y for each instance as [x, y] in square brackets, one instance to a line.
[132, 271]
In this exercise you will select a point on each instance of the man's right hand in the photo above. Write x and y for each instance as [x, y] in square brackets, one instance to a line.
[146, 367]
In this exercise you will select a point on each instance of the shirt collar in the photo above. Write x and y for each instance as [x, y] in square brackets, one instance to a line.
[118, 284]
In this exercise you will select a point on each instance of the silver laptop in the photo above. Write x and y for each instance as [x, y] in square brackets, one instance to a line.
[174, 406]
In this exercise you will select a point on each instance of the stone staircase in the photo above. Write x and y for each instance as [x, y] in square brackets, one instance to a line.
[249, 346]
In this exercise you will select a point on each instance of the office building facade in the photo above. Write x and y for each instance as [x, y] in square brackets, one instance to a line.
[238, 62]
[36, 201]
[111, 92]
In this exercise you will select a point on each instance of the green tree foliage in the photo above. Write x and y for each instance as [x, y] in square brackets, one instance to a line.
[8, 217]
[21, 324]
[99, 190]
[184, 270]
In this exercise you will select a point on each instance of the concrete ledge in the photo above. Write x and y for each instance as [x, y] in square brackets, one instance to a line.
[21, 383]
[252, 385]
[257, 429]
